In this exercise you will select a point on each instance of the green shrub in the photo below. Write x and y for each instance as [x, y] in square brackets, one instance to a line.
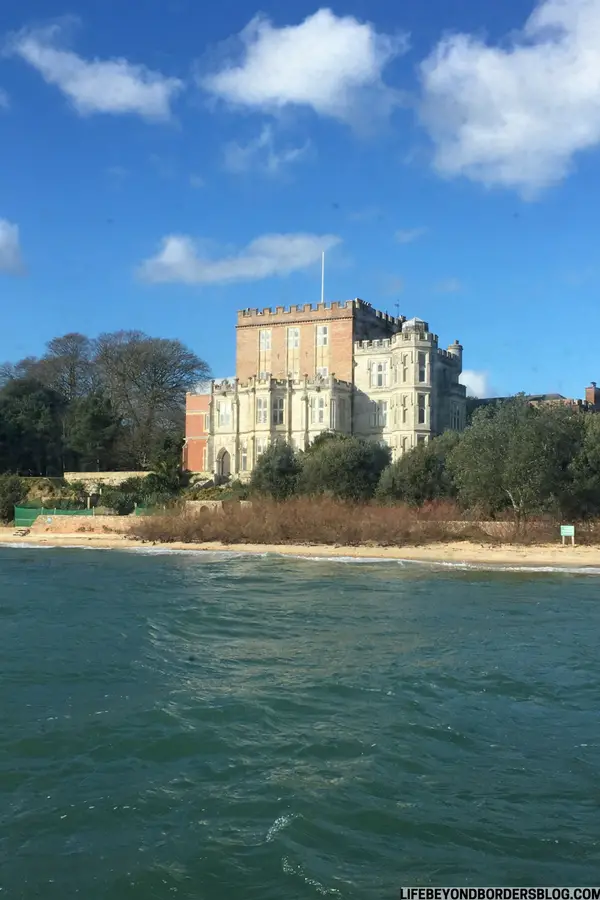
[12, 493]
[276, 472]
[346, 468]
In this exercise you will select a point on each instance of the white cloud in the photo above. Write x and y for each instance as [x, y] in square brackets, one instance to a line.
[476, 383]
[118, 172]
[332, 64]
[11, 260]
[449, 286]
[113, 86]
[515, 115]
[4, 99]
[196, 181]
[408, 235]
[181, 260]
[260, 154]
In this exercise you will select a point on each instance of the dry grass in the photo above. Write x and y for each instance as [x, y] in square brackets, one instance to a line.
[324, 521]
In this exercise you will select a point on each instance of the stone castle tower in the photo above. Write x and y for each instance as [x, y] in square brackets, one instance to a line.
[342, 367]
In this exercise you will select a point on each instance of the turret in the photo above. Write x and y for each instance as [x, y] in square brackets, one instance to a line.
[456, 351]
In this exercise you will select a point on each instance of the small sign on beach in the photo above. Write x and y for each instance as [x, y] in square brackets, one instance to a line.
[567, 531]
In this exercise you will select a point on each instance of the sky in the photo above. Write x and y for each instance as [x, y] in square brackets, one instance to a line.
[168, 162]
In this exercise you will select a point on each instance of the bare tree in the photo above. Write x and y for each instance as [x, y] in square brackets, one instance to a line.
[147, 380]
[68, 366]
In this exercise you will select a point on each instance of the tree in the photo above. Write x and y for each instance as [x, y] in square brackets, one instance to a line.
[421, 475]
[92, 433]
[516, 456]
[584, 498]
[12, 492]
[347, 468]
[276, 472]
[67, 367]
[30, 428]
[147, 380]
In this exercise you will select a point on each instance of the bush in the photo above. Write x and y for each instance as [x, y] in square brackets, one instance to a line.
[119, 501]
[276, 472]
[420, 476]
[12, 493]
[347, 468]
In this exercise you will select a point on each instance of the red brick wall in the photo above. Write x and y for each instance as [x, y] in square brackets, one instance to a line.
[196, 408]
[346, 324]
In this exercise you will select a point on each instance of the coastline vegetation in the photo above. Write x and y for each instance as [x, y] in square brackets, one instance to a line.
[327, 521]
[515, 473]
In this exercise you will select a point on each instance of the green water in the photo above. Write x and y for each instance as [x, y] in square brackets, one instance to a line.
[199, 727]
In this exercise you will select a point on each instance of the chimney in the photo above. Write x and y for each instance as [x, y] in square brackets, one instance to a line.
[592, 395]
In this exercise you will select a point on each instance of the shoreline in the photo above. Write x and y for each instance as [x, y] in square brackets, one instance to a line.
[453, 552]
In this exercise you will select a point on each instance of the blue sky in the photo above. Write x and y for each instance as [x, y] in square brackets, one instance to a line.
[168, 162]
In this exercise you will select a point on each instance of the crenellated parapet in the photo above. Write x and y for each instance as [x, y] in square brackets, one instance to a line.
[397, 340]
[336, 308]
[233, 386]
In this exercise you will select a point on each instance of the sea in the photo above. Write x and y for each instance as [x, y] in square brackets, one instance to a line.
[224, 726]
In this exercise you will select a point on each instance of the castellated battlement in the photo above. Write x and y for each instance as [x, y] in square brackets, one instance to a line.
[341, 308]
[451, 357]
[233, 386]
[397, 340]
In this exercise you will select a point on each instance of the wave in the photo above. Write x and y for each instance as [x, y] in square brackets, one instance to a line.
[344, 560]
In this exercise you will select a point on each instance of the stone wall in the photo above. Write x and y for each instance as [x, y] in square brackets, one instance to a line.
[94, 480]
[82, 525]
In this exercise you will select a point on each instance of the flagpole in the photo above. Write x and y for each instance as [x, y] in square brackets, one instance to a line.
[323, 277]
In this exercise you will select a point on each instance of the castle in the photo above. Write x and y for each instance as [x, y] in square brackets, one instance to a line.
[342, 367]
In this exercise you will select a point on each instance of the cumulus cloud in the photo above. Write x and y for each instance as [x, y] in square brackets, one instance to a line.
[180, 259]
[476, 383]
[11, 260]
[113, 86]
[261, 154]
[408, 235]
[331, 64]
[515, 115]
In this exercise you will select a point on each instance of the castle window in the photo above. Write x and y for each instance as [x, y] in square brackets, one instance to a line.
[317, 410]
[379, 375]
[322, 371]
[322, 335]
[223, 415]
[421, 439]
[404, 367]
[278, 410]
[244, 458]
[455, 418]
[261, 446]
[379, 414]
[333, 414]
[404, 444]
[404, 410]
[293, 338]
[261, 411]
[422, 410]
[422, 367]
[264, 339]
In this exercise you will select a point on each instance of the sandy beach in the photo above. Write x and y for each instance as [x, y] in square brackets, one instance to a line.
[551, 555]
